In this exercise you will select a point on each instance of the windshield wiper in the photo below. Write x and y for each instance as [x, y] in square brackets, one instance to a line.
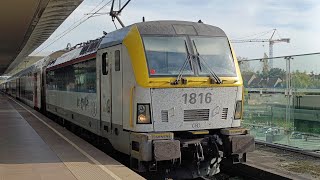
[179, 77]
[214, 76]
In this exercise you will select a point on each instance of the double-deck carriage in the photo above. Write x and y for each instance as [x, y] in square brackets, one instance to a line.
[26, 85]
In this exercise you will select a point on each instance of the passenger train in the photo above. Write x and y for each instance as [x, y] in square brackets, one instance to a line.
[169, 94]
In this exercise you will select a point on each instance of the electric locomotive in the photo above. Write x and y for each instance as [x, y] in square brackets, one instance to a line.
[167, 93]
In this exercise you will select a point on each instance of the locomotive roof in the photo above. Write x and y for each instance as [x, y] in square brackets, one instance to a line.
[178, 28]
[169, 28]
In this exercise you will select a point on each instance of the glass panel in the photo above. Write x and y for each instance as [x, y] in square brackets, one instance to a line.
[117, 60]
[305, 104]
[264, 98]
[166, 55]
[282, 102]
[85, 76]
[105, 64]
[80, 77]
[215, 52]
[27, 86]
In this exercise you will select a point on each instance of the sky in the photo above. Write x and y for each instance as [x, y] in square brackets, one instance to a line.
[294, 19]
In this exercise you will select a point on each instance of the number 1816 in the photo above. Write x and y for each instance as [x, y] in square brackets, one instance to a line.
[193, 98]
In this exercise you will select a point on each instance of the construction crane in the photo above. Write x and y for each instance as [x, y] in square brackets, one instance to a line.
[271, 42]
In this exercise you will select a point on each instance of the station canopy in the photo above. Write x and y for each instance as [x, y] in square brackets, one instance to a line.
[26, 24]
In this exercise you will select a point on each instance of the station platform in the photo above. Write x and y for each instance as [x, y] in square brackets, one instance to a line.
[34, 147]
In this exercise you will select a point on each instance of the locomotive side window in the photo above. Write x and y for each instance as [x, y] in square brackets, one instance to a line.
[105, 64]
[117, 60]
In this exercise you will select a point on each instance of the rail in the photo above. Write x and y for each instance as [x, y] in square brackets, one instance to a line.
[290, 148]
[251, 172]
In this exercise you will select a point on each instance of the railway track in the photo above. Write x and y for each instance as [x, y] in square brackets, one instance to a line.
[250, 172]
[289, 148]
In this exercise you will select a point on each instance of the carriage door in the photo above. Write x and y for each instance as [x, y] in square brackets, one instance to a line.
[105, 93]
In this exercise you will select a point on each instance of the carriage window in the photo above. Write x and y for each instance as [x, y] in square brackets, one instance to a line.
[85, 76]
[105, 64]
[80, 77]
[117, 60]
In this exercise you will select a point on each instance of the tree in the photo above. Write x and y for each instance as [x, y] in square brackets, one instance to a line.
[301, 80]
[277, 73]
[316, 83]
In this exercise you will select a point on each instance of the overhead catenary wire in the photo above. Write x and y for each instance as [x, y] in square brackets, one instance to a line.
[77, 25]
[114, 13]
[83, 17]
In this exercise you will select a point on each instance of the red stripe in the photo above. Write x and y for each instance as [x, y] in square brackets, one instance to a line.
[74, 61]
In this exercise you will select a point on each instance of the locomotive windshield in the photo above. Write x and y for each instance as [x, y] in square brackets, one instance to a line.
[215, 51]
[166, 56]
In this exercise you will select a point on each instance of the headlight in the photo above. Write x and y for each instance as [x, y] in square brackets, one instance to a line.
[143, 114]
[238, 111]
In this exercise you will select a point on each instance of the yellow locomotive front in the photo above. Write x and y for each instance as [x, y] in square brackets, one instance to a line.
[186, 101]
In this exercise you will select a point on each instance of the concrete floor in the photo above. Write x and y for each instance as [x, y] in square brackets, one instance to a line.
[34, 147]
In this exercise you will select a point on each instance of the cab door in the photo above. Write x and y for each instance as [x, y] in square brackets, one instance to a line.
[116, 88]
[110, 91]
[104, 64]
